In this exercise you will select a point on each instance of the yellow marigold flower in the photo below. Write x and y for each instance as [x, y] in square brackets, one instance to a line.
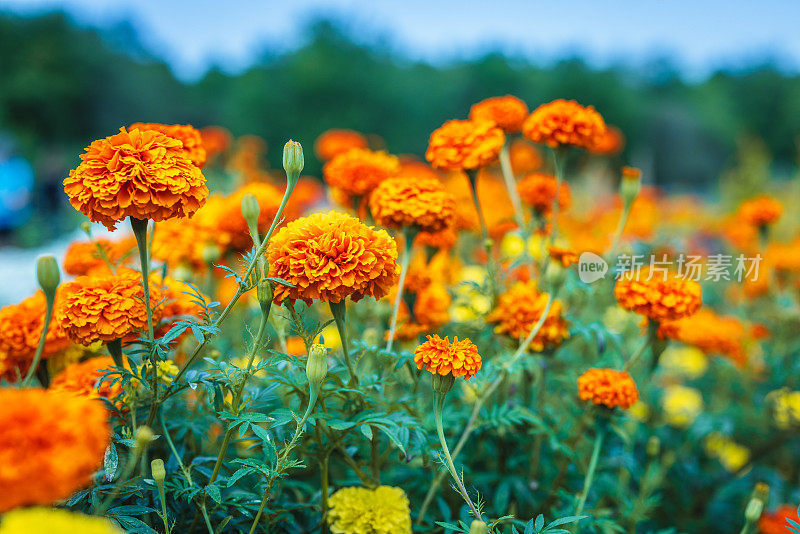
[520, 308]
[39, 520]
[730, 454]
[84, 379]
[524, 156]
[507, 112]
[608, 387]
[460, 145]
[83, 257]
[439, 356]
[216, 140]
[760, 211]
[538, 190]
[192, 139]
[659, 299]
[686, 361]
[711, 333]
[384, 510]
[20, 329]
[681, 405]
[421, 203]
[565, 122]
[610, 143]
[141, 174]
[333, 142]
[331, 256]
[785, 408]
[105, 308]
[50, 446]
[358, 171]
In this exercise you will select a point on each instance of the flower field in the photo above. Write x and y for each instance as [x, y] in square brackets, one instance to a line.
[511, 334]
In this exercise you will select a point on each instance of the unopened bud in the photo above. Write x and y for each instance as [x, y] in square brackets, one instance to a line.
[250, 211]
[144, 435]
[555, 275]
[264, 294]
[293, 162]
[47, 274]
[631, 185]
[211, 253]
[157, 468]
[478, 527]
[653, 447]
[182, 272]
[86, 226]
[316, 366]
[753, 511]
[443, 383]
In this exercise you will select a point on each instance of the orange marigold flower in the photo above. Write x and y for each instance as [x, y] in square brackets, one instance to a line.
[216, 140]
[608, 387]
[760, 211]
[83, 379]
[187, 134]
[775, 522]
[333, 142]
[308, 193]
[711, 333]
[83, 257]
[565, 256]
[538, 190]
[520, 308]
[507, 112]
[295, 346]
[105, 308]
[439, 356]
[20, 329]
[610, 143]
[50, 446]
[564, 122]
[142, 174]
[181, 242]
[464, 145]
[444, 239]
[413, 169]
[431, 310]
[229, 225]
[358, 171]
[524, 156]
[421, 203]
[331, 256]
[656, 298]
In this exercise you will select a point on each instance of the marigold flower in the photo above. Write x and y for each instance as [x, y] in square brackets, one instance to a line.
[331, 256]
[538, 190]
[681, 405]
[564, 122]
[84, 379]
[444, 239]
[83, 257]
[50, 446]
[659, 299]
[20, 329]
[464, 145]
[507, 112]
[384, 510]
[187, 134]
[39, 520]
[181, 242]
[413, 169]
[524, 156]
[608, 387]
[216, 140]
[775, 522]
[520, 308]
[358, 171]
[730, 454]
[711, 333]
[610, 143]
[105, 308]
[785, 408]
[439, 356]
[564, 256]
[760, 211]
[689, 362]
[333, 142]
[422, 203]
[431, 310]
[140, 174]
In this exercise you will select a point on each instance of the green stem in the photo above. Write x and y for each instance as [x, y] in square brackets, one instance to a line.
[587, 481]
[409, 234]
[139, 227]
[48, 315]
[338, 310]
[323, 479]
[623, 220]
[487, 244]
[559, 162]
[511, 185]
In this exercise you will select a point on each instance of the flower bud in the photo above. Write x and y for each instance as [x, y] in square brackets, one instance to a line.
[555, 275]
[653, 447]
[86, 226]
[48, 275]
[250, 211]
[159, 473]
[316, 366]
[478, 527]
[753, 511]
[630, 186]
[443, 383]
[144, 435]
[293, 161]
[211, 254]
[182, 272]
[264, 294]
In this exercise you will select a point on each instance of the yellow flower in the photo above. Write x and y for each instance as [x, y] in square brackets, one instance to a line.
[165, 369]
[786, 408]
[681, 405]
[689, 362]
[512, 246]
[52, 521]
[331, 336]
[639, 411]
[730, 454]
[383, 510]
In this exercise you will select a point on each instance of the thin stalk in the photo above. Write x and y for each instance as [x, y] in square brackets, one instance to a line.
[338, 310]
[559, 162]
[139, 227]
[587, 481]
[323, 483]
[409, 234]
[473, 182]
[623, 220]
[48, 315]
[207, 519]
[511, 185]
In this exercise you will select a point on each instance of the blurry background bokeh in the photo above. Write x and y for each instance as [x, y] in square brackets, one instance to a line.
[701, 90]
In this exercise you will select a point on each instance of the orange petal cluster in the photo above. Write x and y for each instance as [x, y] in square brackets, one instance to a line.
[358, 171]
[142, 174]
[524, 156]
[760, 211]
[464, 145]
[331, 256]
[192, 139]
[50, 446]
[774, 522]
[181, 242]
[659, 299]
[83, 379]
[105, 308]
[333, 142]
[431, 307]
[610, 143]
[216, 140]
[564, 256]
[507, 112]
[538, 190]
[565, 123]
[439, 356]
[520, 308]
[444, 239]
[20, 330]
[608, 387]
[422, 203]
[711, 333]
[83, 257]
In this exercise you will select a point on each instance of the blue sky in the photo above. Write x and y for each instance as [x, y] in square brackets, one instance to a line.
[699, 35]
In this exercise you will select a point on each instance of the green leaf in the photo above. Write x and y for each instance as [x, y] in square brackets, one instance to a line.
[214, 493]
